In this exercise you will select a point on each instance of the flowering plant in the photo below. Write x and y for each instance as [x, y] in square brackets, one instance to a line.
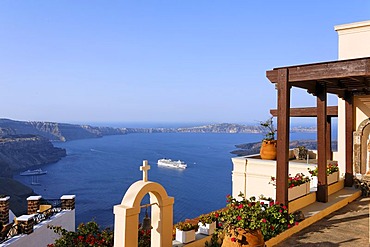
[208, 218]
[87, 234]
[269, 129]
[186, 226]
[330, 169]
[250, 215]
[298, 179]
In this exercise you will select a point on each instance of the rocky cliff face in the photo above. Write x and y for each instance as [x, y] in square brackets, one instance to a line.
[25, 151]
[56, 131]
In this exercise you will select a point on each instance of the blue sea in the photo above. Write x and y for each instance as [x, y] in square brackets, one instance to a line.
[99, 171]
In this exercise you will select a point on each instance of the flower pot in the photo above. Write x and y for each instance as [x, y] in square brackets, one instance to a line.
[244, 239]
[185, 236]
[268, 150]
[207, 229]
[333, 178]
[298, 191]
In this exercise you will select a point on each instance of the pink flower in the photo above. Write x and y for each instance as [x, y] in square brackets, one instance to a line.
[263, 220]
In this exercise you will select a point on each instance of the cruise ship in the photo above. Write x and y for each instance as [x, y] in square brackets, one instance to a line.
[33, 172]
[171, 163]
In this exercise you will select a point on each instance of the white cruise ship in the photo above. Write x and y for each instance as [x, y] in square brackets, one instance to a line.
[171, 163]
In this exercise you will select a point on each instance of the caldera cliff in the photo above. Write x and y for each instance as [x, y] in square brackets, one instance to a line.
[22, 152]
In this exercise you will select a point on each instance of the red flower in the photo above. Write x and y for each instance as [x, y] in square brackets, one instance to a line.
[263, 220]
[262, 203]
[296, 223]
[284, 207]
[233, 239]
[289, 226]
[238, 218]
[219, 224]
[216, 215]
[240, 206]
[272, 228]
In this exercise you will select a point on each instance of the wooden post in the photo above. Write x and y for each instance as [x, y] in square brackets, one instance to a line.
[322, 186]
[329, 154]
[282, 165]
[348, 182]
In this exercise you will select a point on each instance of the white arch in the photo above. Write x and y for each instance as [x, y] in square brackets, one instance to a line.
[127, 215]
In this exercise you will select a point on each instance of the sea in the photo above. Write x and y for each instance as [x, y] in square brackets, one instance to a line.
[99, 171]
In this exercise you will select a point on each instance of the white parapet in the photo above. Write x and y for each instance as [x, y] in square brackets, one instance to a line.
[251, 175]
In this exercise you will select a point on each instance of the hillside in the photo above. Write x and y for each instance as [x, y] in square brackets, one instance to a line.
[21, 152]
[18, 194]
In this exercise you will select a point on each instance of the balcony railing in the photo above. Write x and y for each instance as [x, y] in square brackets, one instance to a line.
[48, 208]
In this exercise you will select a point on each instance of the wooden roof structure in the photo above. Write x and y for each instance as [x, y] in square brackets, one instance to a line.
[344, 78]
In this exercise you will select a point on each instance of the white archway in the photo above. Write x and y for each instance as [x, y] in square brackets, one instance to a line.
[127, 213]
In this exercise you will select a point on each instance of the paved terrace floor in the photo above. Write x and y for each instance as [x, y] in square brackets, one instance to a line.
[349, 226]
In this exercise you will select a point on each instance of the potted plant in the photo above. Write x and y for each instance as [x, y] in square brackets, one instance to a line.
[332, 172]
[185, 231]
[298, 186]
[247, 222]
[242, 222]
[268, 146]
[207, 223]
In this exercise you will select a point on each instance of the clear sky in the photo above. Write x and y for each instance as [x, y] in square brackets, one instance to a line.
[159, 61]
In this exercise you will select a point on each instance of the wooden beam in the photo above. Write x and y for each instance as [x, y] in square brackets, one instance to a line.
[282, 162]
[332, 111]
[322, 186]
[348, 182]
[324, 71]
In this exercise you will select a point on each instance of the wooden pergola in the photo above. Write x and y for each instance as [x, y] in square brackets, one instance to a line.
[345, 79]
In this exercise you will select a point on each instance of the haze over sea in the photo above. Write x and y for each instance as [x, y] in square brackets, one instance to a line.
[99, 171]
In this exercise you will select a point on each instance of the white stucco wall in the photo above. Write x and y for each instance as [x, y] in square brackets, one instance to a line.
[251, 176]
[42, 236]
[353, 42]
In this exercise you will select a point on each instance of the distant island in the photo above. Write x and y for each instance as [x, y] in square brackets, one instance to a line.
[67, 132]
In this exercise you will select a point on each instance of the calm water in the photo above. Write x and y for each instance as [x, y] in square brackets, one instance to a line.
[99, 171]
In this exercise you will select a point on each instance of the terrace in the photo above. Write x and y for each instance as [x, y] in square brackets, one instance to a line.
[31, 229]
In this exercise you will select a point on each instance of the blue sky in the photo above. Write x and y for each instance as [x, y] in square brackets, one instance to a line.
[159, 61]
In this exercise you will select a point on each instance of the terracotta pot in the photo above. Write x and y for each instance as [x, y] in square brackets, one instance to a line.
[268, 150]
[244, 239]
